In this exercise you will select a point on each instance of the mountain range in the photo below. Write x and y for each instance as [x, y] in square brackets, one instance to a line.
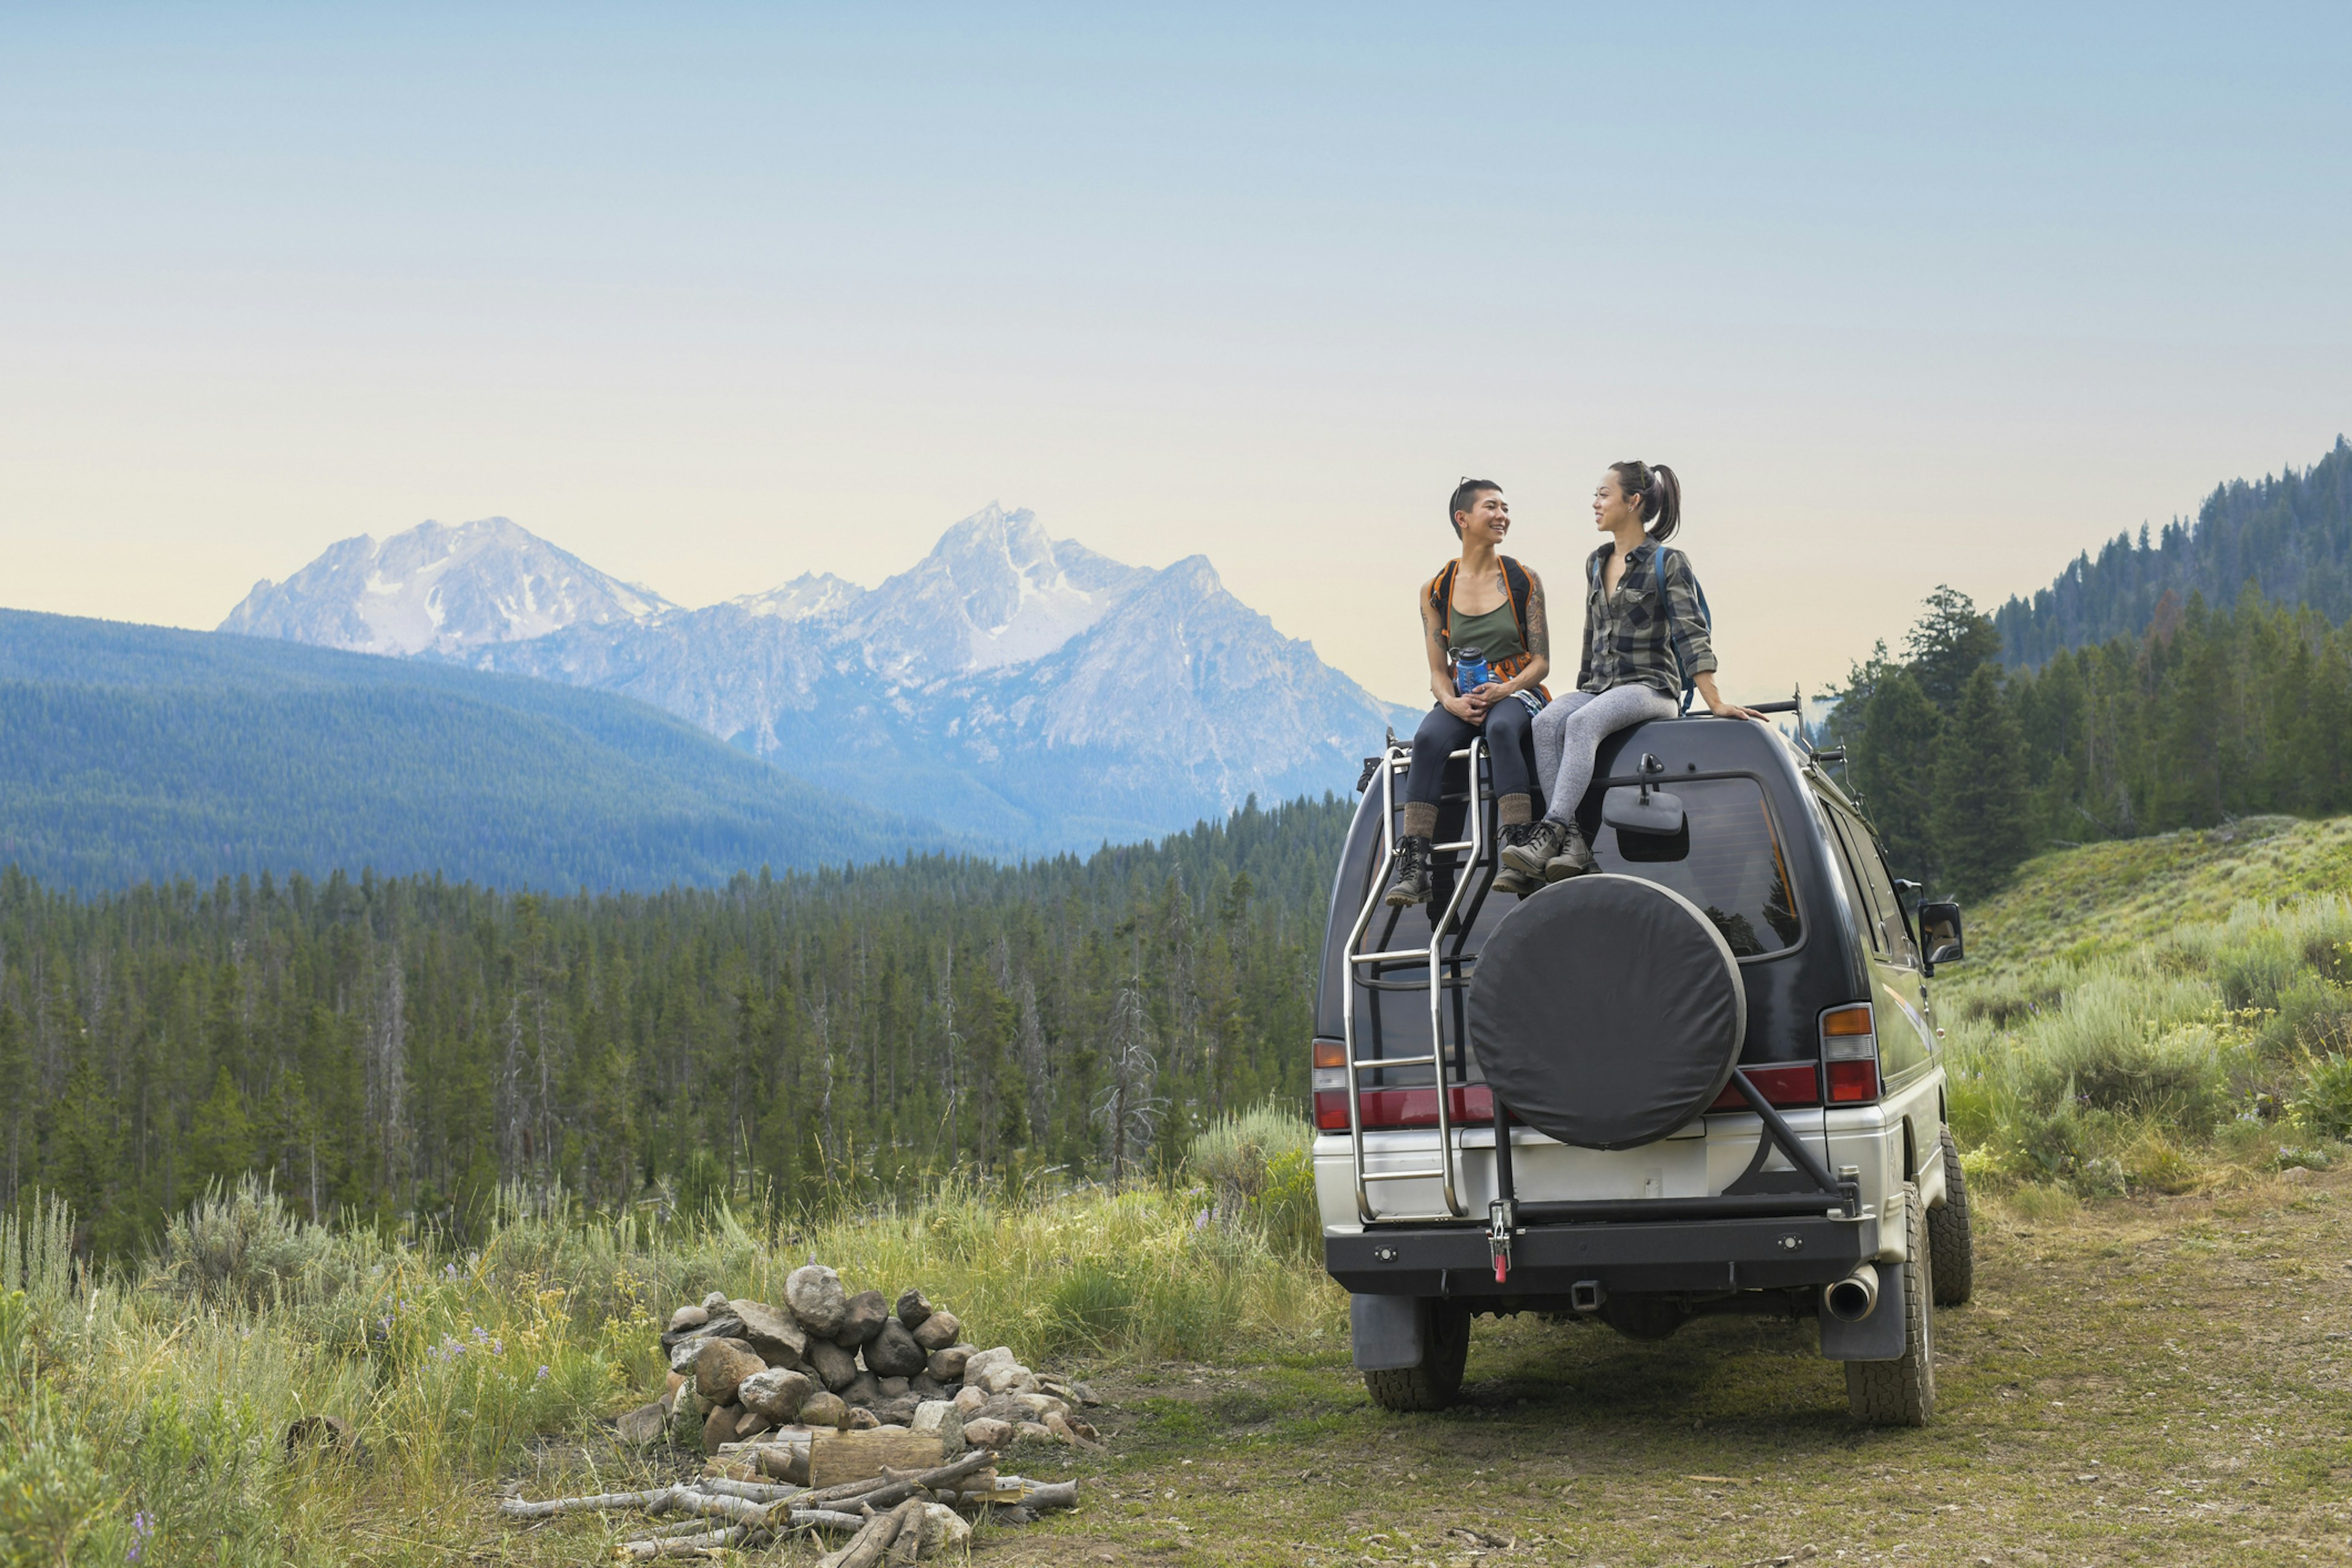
[131, 753]
[1020, 690]
[2289, 536]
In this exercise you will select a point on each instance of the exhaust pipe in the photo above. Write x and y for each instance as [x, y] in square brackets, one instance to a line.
[1855, 1297]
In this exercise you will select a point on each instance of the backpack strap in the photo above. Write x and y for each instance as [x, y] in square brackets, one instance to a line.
[1522, 589]
[1440, 599]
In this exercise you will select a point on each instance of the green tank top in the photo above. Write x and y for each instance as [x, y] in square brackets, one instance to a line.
[1495, 634]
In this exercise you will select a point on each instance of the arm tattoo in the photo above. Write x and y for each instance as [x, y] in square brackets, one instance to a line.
[1539, 628]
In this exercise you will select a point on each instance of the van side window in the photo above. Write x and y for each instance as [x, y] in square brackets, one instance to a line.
[1842, 853]
[1882, 893]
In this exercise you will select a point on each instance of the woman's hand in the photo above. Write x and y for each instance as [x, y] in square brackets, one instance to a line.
[1465, 708]
[1487, 696]
[1718, 707]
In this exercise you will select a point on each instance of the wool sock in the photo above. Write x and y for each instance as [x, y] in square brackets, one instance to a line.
[1515, 810]
[1420, 819]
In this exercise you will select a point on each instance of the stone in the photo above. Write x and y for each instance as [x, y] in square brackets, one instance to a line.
[894, 1387]
[689, 1318]
[778, 1393]
[941, 1416]
[1004, 1377]
[893, 1353]
[949, 1365]
[721, 1366]
[987, 1434]
[862, 1419]
[822, 1409]
[719, 1426]
[923, 1386]
[980, 1360]
[833, 1366]
[644, 1425]
[862, 1319]
[936, 1332]
[895, 1412]
[814, 1294]
[1040, 1406]
[968, 1400]
[944, 1531]
[669, 1390]
[863, 1389]
[750, 1425]
[1034, 1432]
[714, 1301]
[777, 1336]
[912, 1308]
[725, 1325]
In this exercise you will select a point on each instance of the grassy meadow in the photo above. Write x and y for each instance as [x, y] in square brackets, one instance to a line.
[2148, 1055]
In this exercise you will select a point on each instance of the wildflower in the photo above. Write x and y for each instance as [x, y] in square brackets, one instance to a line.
[498, 1347]
[542, 1375]
[450, 1271]
[481, 1334]
[143, 1526]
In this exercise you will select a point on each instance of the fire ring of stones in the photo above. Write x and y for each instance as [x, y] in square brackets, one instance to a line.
[753, 1375]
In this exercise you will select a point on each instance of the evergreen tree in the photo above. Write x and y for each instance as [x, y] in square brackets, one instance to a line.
[1980, 830]
[1892, 762]
[1948, 645]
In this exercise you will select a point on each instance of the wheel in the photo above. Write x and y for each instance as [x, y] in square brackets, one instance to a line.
[1948, 1240]
[1434, 1384]
[1903, 1393]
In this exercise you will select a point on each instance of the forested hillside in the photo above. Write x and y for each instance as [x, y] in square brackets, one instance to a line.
[398, 1045]
[134, 752]
[2204, 715]
[2290, 535]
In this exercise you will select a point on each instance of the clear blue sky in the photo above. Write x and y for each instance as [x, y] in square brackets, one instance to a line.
[714, 296]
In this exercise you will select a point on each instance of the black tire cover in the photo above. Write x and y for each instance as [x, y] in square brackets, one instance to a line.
[1607, 1011]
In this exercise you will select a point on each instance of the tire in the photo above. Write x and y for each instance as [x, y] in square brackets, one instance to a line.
[1434, 1384]
[1949, 1241]
[1903, 1393]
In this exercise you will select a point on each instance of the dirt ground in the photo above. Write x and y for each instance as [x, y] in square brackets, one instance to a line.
[2141, 1381]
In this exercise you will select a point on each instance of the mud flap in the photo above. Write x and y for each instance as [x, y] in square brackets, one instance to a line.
[1390, 1331]
[1878, 1336]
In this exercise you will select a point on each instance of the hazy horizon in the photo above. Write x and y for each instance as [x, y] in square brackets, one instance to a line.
[712, 297]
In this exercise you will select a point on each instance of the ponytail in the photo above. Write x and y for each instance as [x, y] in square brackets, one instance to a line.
[1660, 493]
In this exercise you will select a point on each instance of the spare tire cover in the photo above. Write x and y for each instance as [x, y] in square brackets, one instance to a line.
[1607, 1011]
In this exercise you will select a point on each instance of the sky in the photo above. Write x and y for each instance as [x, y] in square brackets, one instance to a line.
[714, 296]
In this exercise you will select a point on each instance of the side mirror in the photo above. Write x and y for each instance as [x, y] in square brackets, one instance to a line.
[1939, 932]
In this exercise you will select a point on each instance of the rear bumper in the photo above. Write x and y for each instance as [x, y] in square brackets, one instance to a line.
[1698, 1257]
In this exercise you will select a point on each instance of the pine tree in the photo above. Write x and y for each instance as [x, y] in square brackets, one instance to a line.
[220, 1135]
[1892, 763]
[1948, 645]
[1981, 829]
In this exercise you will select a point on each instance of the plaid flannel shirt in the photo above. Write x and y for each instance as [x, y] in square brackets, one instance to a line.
[1626, 637]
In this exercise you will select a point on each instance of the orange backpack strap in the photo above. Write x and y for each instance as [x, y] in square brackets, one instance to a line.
[1440, 599]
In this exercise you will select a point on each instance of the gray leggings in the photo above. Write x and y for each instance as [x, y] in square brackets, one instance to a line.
[1570, 730]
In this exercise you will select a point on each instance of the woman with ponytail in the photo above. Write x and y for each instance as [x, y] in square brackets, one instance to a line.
[1646, 635]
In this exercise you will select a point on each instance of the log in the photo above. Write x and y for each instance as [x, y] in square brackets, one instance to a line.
[1052, 1494]
[758, 1492]
[826, 1519]
[866, 1549]
[942, 1478]
[515, 1508]
[856, 1456]
[706, 1544]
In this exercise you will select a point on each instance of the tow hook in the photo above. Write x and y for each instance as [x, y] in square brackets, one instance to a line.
[1502, 1218]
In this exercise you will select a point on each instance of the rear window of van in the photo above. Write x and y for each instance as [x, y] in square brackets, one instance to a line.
[1726, 860]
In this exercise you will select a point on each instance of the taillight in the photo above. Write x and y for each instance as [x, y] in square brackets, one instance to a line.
[1471, 1105]
[1850, 1052]
[1330, 1054]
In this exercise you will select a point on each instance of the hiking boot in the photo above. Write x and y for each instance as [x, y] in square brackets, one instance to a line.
[1531, 853]
[1410, 885]
[1509, 879]
[1574, 858]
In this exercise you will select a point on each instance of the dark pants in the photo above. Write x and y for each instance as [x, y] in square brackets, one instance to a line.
[1506, 731]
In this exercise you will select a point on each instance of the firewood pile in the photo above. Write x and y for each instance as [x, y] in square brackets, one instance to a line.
[835, 1411]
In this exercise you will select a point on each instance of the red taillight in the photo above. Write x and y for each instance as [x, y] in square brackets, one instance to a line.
[1784, 1088]
[1852, 1082]
[1472, 1105]
[1850, 1052]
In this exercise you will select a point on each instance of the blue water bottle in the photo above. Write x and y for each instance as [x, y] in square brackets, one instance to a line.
[1471, 670]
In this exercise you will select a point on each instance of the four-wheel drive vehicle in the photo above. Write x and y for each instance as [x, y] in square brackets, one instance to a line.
[1702, 1079]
